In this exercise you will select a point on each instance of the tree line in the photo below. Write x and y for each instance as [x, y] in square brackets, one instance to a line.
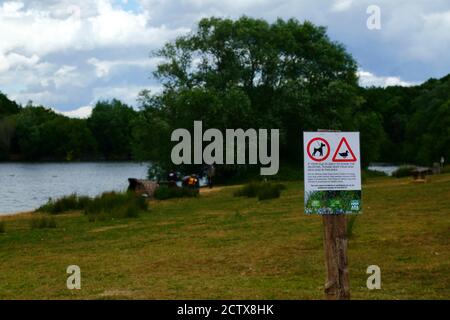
[244, 73]
[36, 133]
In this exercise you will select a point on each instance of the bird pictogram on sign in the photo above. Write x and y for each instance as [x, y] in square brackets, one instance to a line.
[344, 152]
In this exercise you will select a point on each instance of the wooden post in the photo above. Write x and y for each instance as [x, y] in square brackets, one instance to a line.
[337, 285]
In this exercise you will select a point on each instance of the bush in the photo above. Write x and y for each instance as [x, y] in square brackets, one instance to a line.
[165, 192]
[403, 171]
[446, 169]
[2, 227]
[43, 223]
[262, 190]
[64, 204]
[269, 192]
[106, 206]
[249, 190]
[111, 205]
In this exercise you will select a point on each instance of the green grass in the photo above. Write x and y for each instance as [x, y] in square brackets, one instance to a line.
[2, 227]
[261, 190]
[43, 223]
[226, 247]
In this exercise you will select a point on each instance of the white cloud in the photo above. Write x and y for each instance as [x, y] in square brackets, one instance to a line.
[67, 53]
[103, 68]
[42, 31]
[80, 113]
[44, 96]
[14, 60]
[368, 79]
[38, 31]
[432, 38]
[126, 93]
[341, 5]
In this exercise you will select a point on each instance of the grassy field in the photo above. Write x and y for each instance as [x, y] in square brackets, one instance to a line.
[222, 247]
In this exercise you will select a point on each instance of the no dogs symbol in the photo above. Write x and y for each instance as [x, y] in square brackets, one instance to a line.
[318, 149]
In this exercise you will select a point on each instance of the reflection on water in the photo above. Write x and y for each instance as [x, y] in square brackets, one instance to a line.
[26, 186]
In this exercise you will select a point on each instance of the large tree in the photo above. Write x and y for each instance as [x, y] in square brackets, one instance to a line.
[250, 73]
[7, 107]
[111, 124]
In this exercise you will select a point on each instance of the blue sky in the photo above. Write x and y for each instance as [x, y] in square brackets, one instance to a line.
[68, 54]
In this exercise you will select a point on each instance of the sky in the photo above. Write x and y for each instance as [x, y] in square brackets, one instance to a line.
[68, 54]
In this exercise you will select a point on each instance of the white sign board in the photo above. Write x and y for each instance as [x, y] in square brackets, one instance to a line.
[332, 172]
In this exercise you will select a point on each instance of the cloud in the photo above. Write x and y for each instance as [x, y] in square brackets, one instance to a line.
[80, 113]
[40, 56]
[341, 5]
[368, 79]
[66, 53]
[40, 31]
[104, 67]
[13, 60]
[430, 41]
[126, 93]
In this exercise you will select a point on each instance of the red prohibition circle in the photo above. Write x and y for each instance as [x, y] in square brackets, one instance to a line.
[309, 152]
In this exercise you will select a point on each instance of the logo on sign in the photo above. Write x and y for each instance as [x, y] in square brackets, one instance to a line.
[354, 204]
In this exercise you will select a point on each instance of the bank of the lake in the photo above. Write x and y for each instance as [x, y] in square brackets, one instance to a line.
[26, 186]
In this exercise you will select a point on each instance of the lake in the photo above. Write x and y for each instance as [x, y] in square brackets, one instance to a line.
[386, 168]
[26, 186]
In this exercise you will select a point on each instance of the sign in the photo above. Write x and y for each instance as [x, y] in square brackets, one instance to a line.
[332, 172]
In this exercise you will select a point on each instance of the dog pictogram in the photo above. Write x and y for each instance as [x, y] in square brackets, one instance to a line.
[318, 149]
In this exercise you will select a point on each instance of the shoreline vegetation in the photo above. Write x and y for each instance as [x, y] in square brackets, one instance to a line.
[226, 238]
[287, 173]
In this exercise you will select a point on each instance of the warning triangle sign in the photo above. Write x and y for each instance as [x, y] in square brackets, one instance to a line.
[343, 152]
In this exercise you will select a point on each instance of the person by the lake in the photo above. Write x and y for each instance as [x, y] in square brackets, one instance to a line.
[211, 173]
[191, 182]
[172, 178]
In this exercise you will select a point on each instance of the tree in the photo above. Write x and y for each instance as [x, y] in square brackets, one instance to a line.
[41, 134]
[249, 73]
[7, 107]
[111, 124]
[7, 131]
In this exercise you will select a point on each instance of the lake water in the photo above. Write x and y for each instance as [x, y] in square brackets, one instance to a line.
[386, 168]
[26, 186]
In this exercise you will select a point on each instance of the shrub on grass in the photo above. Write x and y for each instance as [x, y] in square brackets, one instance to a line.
[268, 191]
[2, 227]
[262, 190]
[43, 223]
[165, 192]
[64, 204]
[403, 171]
[249, 190]
[106, 206]
[115, 205]
[446, 169]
